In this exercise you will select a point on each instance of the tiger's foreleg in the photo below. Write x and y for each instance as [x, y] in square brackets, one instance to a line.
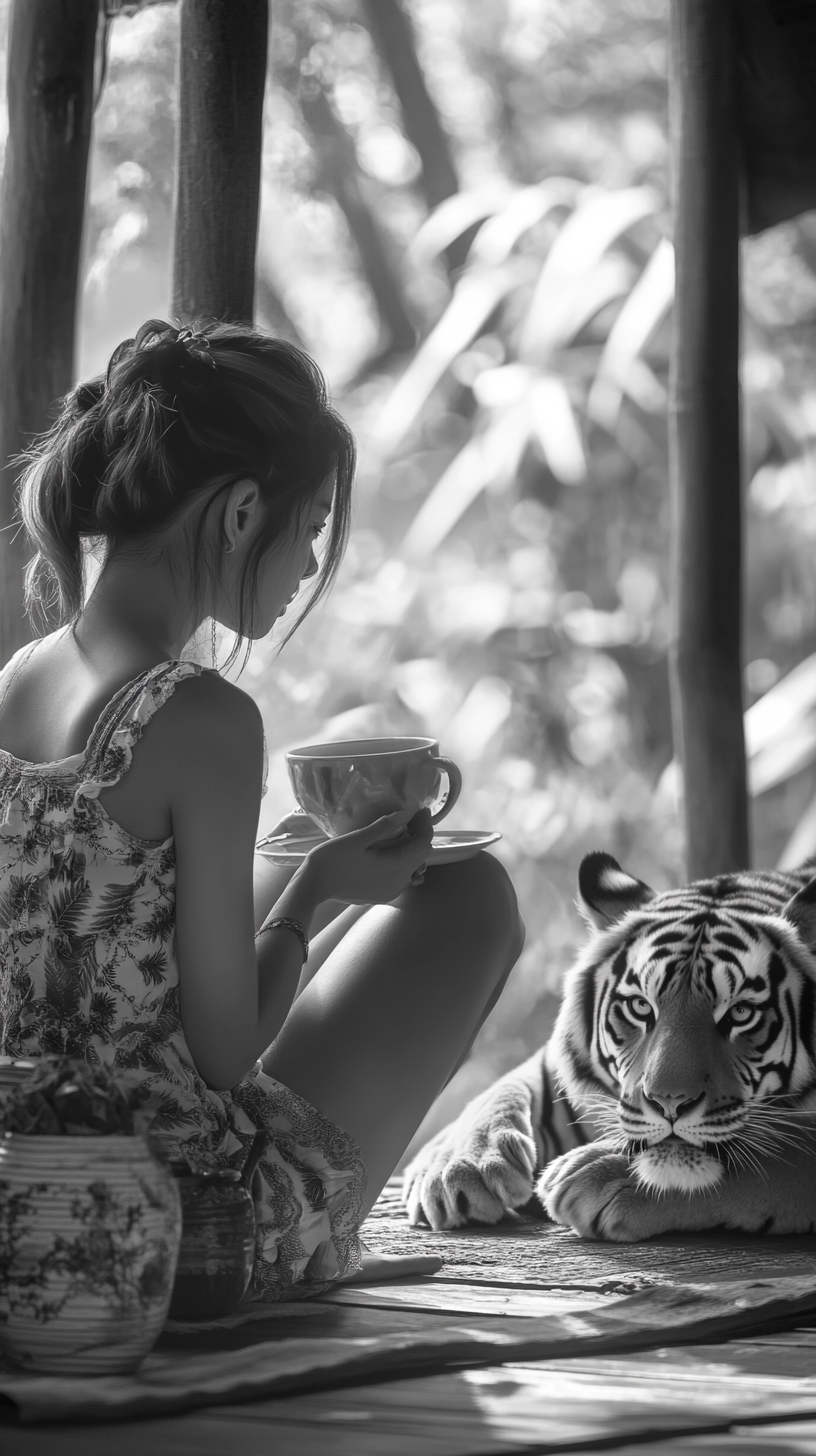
[487, 1161]
[595, 1190]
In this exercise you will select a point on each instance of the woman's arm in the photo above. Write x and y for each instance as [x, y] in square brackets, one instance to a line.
[233, 1000]
[270, 881]
[235, 991]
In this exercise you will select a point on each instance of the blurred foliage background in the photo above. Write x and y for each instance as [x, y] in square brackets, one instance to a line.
[484, 271]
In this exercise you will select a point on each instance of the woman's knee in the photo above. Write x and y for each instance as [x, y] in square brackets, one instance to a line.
[477, 900]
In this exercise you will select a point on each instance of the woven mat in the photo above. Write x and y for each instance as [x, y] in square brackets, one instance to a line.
[182, 1378]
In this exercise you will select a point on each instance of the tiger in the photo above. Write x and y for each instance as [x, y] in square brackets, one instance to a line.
[678, 1090]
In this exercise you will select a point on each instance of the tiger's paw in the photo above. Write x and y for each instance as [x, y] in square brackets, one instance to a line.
[471, 1174]
[595, 1191]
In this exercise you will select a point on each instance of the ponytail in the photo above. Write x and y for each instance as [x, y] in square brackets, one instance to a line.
[56, 504]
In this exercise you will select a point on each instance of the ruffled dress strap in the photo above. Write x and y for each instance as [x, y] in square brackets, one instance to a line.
[121, 724]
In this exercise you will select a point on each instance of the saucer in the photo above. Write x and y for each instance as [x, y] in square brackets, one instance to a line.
[449, 845]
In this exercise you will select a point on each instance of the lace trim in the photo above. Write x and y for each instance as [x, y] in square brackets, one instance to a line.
[110, 750]
[111, 753]
[108, 753]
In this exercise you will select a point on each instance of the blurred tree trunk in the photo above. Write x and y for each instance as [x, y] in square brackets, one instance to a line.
[222, 74]
[272, 312]
[393, 36]
[705, 436]
[340, 176]
[51, 54]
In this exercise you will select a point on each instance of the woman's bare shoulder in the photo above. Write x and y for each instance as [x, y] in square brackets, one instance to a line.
[207, 708]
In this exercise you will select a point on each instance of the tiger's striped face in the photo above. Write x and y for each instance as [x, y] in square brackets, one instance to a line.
[687, 1027]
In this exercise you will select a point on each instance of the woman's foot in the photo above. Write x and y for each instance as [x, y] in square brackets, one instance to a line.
[378, 1266]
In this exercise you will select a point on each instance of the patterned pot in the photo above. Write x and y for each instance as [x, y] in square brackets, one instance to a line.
[89, 1238]
[217, 1244]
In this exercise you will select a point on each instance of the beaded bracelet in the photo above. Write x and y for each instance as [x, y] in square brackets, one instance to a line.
[287, 924]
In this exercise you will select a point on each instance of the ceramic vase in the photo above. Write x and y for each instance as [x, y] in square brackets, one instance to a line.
[217, 1244]
[89, 1238]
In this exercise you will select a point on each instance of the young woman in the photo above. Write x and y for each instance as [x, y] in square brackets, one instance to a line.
[206, 464]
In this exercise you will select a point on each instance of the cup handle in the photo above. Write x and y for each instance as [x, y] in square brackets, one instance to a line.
[448, 766]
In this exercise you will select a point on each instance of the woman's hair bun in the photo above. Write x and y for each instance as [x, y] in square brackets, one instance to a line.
[159, 348]
[88, 395]
[181, 414]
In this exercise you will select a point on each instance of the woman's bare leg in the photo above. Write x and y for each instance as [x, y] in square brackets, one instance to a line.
[396, 1003]
[330, 924]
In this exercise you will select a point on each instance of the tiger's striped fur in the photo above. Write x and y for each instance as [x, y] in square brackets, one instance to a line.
[684, 1052]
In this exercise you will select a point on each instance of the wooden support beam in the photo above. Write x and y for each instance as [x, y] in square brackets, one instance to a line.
[50, 100]
[705, 437]
[223, 46]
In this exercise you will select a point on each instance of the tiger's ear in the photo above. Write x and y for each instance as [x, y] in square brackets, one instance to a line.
[606, 893]
[801, 912]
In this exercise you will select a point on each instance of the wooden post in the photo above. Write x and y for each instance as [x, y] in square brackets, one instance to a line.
[705, 438]
[222, 75]
[50, 101]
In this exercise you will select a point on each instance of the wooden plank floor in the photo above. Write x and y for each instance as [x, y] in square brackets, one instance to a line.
[752, 1395]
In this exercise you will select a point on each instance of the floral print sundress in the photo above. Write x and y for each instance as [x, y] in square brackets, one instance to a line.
[88, 968]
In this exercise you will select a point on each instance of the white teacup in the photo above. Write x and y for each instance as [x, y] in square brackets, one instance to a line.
[346, 785]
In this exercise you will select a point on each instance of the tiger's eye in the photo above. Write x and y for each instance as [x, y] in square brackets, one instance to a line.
[641, 1007]
[742, 1012]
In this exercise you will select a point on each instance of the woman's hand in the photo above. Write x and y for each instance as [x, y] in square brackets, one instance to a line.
[362, 868]
[296, 822]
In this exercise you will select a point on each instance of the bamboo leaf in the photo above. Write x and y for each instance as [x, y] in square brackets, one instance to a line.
[453, 217]
[802, 842]
[454, 492]
[779, 761]
[555, 426]
[782, 708]
[619, 365]
[552, 418]
[480, 717]
[644, 387]
[553, 327]
[598, 220]
[488, 459]
[505, 385]
[526, 207]
[475, 297]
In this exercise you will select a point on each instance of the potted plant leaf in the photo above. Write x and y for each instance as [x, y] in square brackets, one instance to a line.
[90, 1221]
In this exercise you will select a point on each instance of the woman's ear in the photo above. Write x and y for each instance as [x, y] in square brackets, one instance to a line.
[241, 512]
[606, 892]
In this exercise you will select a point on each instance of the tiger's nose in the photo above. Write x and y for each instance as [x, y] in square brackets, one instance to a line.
[671, 1104]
